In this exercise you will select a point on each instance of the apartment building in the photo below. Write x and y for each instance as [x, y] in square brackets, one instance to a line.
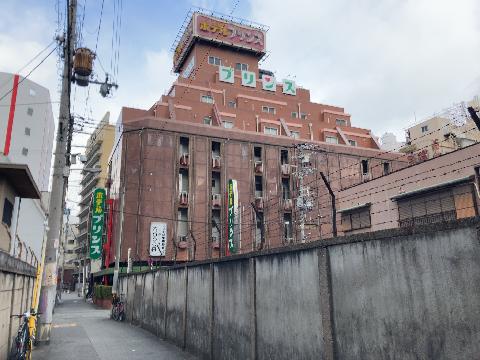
[97, 152]
[439, 189]
[26, 137]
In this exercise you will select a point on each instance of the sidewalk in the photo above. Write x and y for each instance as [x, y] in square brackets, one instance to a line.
[82, 331]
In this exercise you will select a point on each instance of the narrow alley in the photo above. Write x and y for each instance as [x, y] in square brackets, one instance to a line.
[83, 331]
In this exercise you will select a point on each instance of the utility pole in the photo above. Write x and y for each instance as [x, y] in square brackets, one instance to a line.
[334, 209]
[59, 181]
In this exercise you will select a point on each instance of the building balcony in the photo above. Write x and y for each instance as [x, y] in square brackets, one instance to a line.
[287, 204]
[259, 203]
[286, 169]
[184, 159]
[84, 212]
[94, 148]
[88, 188]
[216, 200]
[93, 160]
[216, 162]
[183, 198]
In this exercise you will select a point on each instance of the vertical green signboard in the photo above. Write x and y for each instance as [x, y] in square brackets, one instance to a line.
[232, 193]
[97, 223]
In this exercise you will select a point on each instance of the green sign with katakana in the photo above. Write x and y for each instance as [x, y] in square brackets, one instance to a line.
[226, 74]
[269, 83]
[248, 79]
[97, 222]
[289, 87]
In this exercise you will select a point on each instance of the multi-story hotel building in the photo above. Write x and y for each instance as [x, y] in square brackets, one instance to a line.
[228, 127]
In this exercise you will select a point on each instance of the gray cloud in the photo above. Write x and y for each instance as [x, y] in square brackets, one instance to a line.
[382, 61]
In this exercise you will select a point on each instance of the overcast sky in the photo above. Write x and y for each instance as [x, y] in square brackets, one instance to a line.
[383, 61]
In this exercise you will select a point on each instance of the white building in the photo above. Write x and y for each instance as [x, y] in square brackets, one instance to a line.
[389, 142]
[26, 137]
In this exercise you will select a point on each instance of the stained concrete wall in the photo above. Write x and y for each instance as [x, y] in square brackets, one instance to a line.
[16, 285]
[199, 307]
[403, 293]
[410, 297]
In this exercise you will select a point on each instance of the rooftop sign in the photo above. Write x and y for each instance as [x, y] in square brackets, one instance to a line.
[220, 31]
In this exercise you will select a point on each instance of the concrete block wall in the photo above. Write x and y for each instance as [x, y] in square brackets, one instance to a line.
[16, 287]
[403, 293]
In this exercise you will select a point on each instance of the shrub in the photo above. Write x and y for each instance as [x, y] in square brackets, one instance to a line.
[102, 292]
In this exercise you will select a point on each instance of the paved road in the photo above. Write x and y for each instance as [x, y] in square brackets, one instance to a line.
[82, 331]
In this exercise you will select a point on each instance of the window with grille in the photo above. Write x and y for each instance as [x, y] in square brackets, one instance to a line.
[432, 207]
[7, 212]
[268, 109]
[331, 139]
[206, 99]
[213, 60]
[270, 130]
[341, 122]
[356, 219]
[240, 66]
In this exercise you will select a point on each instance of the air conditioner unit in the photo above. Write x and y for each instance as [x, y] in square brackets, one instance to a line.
[259, 167]
[286, 169]
[259, 203]
[215, 242]
[366, 177]
[183, 198]
[182, 242]
[184, 160]
[216, 162]
[287, 204]
[216, 200]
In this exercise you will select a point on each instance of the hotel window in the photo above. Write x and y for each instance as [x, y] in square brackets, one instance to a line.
[268, 109]
[303, 116]
[206, 99]
[207, 120]
[341, 122]
[424, 129]
[30, 111]
[213, 60]
[227, 124]
[356, 219]
[232, 104]
[295, 134]
[240, 66]
[7, 212]
[27, 131]
[24, 151]
[294, 114]
[352, 142]
[386, 168]
[270, 130]
[331, 139]
[364, 167]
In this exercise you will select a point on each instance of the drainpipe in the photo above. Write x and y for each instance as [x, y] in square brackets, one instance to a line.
[310, 129]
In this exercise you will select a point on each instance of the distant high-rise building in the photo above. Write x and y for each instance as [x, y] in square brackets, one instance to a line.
[97, 152]
[389, 142]
[26, 137]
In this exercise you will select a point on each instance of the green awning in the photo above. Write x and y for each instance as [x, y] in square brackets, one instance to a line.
[123, 270]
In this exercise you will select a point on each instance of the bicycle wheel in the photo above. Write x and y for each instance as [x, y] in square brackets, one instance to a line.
[21, 344]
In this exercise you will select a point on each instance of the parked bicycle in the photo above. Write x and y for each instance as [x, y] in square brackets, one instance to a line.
[118, 308]
[26, 336]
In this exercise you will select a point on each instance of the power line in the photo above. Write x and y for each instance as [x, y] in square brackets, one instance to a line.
[26, 76]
